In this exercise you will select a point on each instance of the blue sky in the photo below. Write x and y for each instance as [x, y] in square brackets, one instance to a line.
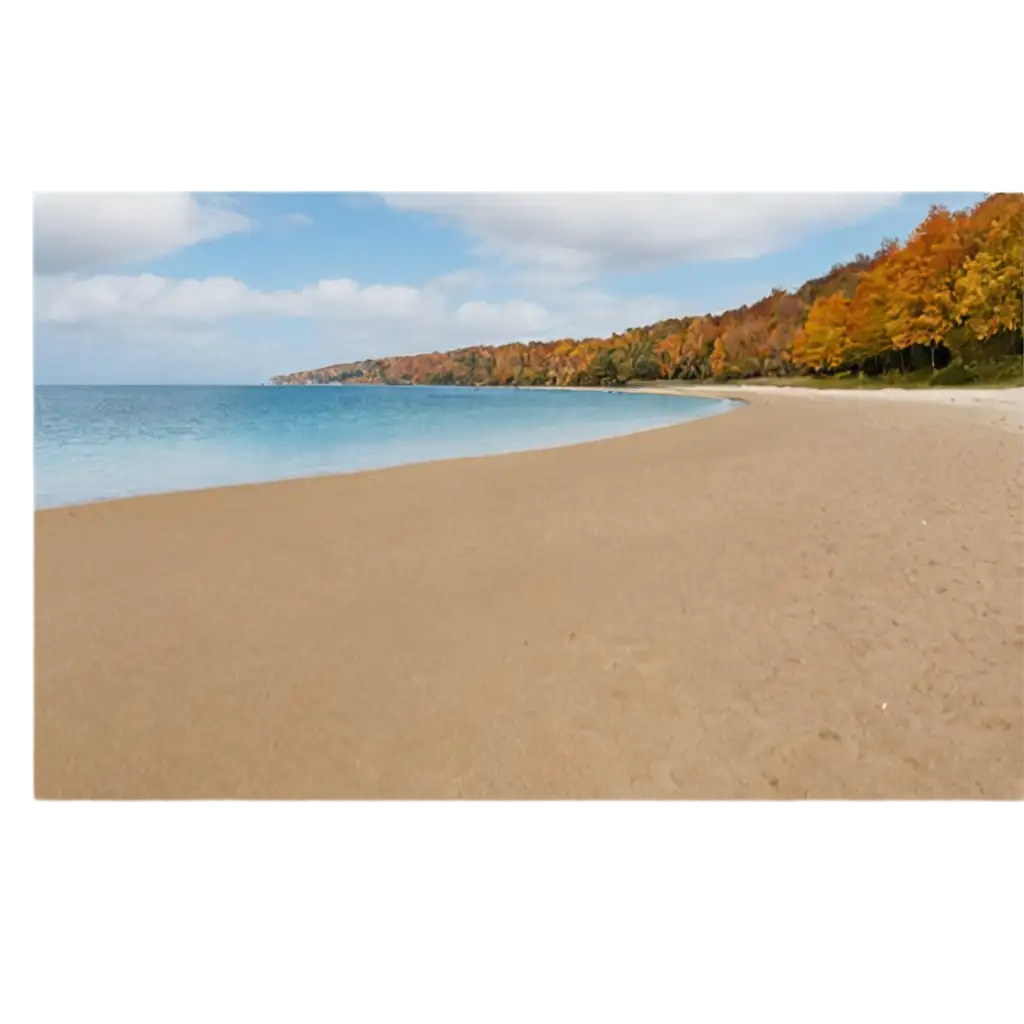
[202, 288]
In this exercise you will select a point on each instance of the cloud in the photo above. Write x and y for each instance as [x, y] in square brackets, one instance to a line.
[575, 237]
[108, 321]
[95, 231]
[293, 220]
[114, 299]
[460, 282]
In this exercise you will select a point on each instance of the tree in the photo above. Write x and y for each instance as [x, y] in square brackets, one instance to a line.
[924, 306]
[669, 355]
[640, 354]
[821, 343]
[698, 347]
[867, 321]
[955, 287]
[605, 367]
[989, 291]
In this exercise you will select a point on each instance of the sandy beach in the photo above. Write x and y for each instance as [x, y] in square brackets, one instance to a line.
[820, 595]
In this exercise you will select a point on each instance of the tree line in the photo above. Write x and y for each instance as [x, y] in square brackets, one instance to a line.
[947, 303]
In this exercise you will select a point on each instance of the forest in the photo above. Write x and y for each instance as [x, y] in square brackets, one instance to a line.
[943, 308]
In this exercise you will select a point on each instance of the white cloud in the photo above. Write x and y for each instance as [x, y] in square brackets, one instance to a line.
[88, 324]
[293, 220]
[459, 282]
[578, 236]
[127, 301]
[113, 299]
[110, 300]
[514, 319]
[96, 325]
[92, 231]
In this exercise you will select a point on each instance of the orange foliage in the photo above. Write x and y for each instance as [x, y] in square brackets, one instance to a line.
[955, 286]
[822, 341]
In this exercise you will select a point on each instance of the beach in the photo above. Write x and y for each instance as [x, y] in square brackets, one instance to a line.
[817, 596]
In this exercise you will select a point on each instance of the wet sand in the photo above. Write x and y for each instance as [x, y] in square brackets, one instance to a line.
[816, 596]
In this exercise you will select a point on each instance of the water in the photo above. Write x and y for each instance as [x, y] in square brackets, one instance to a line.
[93, 443]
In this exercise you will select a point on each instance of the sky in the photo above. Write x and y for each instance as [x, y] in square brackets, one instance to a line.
[198, 288]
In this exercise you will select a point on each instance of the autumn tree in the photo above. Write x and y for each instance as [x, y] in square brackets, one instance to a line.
[742, 347]
[697, 349]
[603, 367]
[785, 315]
[635, 357]
[669, 354]
[867, 322]
[924, 306]
[822, 341]
[990, 297]
[954, 288]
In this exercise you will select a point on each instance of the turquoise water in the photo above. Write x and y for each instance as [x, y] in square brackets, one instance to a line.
[94, 443]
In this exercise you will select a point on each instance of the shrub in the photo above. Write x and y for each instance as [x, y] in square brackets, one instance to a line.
[951, 376]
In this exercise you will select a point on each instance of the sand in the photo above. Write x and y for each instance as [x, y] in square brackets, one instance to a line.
[997, 406]
[820, 596]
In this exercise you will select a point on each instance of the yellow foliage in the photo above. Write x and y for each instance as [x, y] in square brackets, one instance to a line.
[822, 342]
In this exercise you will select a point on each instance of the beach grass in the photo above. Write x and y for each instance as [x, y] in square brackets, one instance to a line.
[997, 373]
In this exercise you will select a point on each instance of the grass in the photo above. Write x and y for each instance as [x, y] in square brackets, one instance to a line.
[1000, 373]
[997, 373]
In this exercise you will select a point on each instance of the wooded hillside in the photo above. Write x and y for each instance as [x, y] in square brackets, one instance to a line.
[949, 300]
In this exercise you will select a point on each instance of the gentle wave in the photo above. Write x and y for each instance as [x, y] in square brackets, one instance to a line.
[96, 443]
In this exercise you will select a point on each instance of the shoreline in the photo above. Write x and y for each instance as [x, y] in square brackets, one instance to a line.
[401, 465]
[812, 599]
[740, 394]
[989, 402]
